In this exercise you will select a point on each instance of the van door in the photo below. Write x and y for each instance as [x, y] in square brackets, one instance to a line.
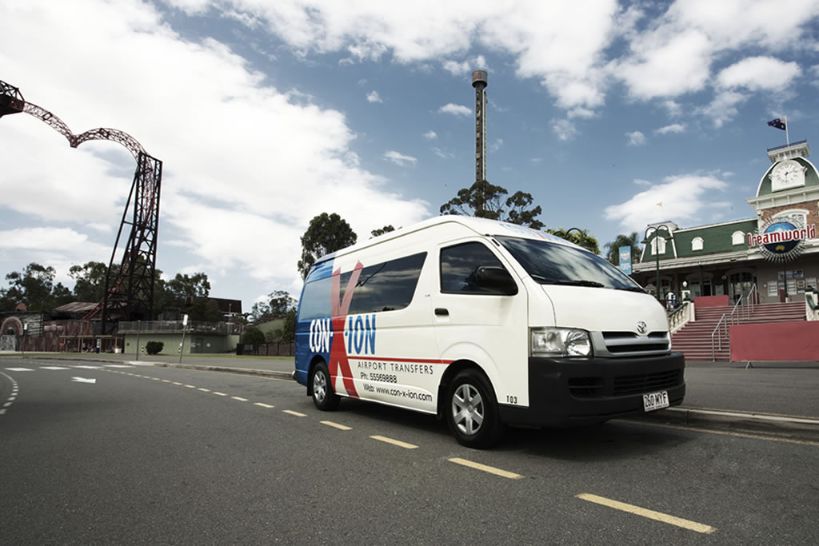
[480, 323]
[392, 355]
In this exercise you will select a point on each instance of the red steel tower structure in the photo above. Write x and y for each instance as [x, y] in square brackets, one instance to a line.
[129, 284]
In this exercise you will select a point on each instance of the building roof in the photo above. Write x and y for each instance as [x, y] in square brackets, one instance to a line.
[716, 239]
[76, 307]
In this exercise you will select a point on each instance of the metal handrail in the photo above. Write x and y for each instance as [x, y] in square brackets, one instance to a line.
[750, 301]
[719, 339]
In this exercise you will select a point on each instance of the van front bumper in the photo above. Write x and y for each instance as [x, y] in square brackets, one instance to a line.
[567, 392]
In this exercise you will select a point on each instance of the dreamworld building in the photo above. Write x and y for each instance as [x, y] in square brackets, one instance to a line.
[772, 256]
[748, 286]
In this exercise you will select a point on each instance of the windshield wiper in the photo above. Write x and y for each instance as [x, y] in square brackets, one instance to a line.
[567, 282]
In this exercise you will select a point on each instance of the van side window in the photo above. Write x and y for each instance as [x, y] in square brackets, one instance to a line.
[459, 264]
[388, 286]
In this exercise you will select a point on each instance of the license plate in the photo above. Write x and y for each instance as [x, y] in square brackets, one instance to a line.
[655, 400]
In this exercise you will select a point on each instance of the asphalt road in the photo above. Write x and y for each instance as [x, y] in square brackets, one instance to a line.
[161, 455]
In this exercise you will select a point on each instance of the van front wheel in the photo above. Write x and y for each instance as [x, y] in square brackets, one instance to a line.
[472, 411]
[322, 386]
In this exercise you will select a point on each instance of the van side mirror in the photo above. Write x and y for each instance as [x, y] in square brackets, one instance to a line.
[496, 279]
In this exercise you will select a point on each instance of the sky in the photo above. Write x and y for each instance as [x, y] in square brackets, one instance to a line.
[266, 113]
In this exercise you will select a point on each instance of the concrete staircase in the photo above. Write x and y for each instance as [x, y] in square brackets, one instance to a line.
[694, 339]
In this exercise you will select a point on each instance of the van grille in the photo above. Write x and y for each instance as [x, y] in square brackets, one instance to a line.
[629, 342]
[624, 385]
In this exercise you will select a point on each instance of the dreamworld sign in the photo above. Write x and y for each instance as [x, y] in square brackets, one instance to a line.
[782, 240]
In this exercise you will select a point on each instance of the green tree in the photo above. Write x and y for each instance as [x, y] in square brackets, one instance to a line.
[578, 237]
[381, 231]
[613, 248]
[325, 234]
[289, 327]
[89, 281]
[278, 303]
[252, 336]
[34, 286]
[485, 200]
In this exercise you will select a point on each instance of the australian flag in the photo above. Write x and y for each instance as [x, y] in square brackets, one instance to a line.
[778, 123]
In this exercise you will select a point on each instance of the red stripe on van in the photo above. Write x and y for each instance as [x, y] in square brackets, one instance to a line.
[418, 360]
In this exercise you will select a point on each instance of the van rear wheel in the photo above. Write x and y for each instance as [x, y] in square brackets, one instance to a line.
[472, 411]
[322, 386]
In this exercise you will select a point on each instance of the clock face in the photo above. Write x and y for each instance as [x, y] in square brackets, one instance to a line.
[787, 174]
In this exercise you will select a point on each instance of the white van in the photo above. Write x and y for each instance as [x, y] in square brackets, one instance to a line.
[484, 324]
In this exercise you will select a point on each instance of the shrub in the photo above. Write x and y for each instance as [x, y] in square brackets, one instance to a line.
[154, 347]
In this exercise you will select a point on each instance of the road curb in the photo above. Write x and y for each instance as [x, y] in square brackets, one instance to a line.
[786, 426]
[228, 369]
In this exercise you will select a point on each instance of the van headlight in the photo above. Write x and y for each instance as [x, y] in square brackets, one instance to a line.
[559, 342]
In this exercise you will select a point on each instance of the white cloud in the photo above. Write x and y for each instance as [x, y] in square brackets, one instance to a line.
[682, 199]
[455, 109]
[465, 67]
[759, 74]
[564, 129]
[667, 67]
[430, 135]
[723, 108]
[373, 96]
[399, 159]
[443, 154]
[240, 156]
[635, 138]
[674, 128]
[566, 46]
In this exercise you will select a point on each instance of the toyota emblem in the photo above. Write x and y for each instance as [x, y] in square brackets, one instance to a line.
[641, 327]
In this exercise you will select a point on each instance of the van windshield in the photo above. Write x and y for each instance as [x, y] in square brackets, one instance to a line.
[553, 263]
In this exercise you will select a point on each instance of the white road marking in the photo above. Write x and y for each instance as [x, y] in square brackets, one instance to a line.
[291, 412]
[336, 425]
[88, 367]
[239, 398]
[176, 383]
[2, 412]
[52, 368]
[117, 366]
[268, 406]
[486, 468]
[165, 381]
[203, 389]
[219, 393]
[154, 378]
[650, 514]
[20, 369]
[12, 398]
[394, 442]
[84, 380]
[191, 386]
[7, 404]
[138, 363]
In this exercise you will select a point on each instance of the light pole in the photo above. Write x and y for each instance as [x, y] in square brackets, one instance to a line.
[656, 232]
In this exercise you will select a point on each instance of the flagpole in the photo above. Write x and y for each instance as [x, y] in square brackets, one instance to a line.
[787, 136]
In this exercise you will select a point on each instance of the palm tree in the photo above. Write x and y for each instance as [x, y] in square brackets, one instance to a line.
[580, 237]
[613, 248]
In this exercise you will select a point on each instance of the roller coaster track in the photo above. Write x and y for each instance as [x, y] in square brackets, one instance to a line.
[129, 284]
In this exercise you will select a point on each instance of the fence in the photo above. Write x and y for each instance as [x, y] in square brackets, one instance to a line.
[266, 349]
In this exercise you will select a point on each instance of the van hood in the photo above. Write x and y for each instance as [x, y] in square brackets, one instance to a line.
[605, 309]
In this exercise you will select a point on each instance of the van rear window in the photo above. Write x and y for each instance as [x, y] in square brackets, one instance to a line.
[387, 286]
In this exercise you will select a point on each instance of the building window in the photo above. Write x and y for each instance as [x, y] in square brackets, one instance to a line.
[737, 238]
[658, 245]
[696, 243]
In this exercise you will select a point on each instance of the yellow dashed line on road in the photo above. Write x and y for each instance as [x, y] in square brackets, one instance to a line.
[268, 406]
[336, 425]
[394, 442]
[486, 468]
[291, 412]
[650, 514]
